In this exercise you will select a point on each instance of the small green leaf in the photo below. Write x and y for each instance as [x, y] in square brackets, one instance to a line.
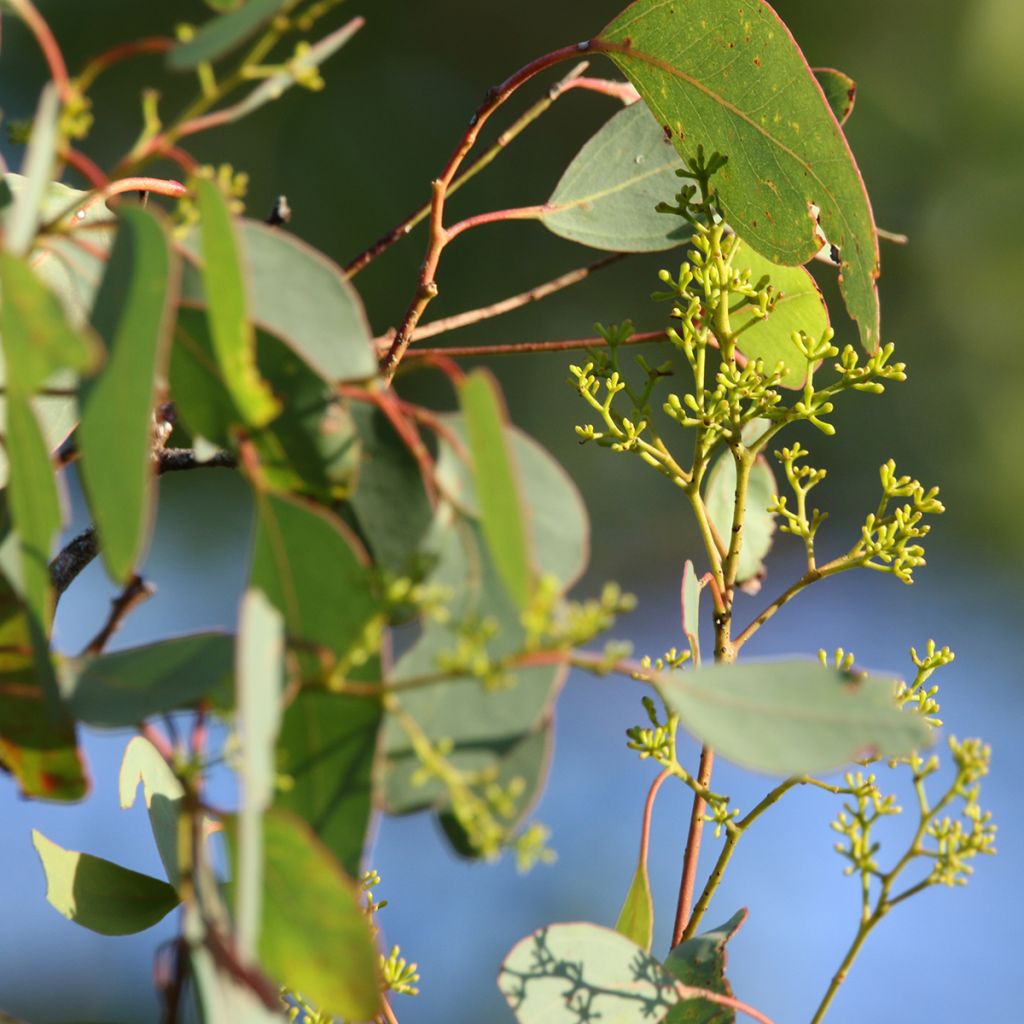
[636, 918]
[800, 307]
[700, 963]
[22, 219]
[497, 487]
[124, 688]
[607, 196]
[758, 522]
[727, 75]
[163, 794]
[566, 973]
[221, 36]
[133, 316]
[690, 608]
[840, 91]
[100, 895]
[234, 339]
[791, 717]
[314, 935]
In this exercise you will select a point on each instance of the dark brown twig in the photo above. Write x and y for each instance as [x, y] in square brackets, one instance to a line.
[136, 591]
[74, 557]
[176, 460]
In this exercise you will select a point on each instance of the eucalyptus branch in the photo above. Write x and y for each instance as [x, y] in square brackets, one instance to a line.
[529, 347]
[73, 558]
[136, 591]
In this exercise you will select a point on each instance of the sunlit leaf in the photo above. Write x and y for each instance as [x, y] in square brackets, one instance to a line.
[607, 196]
[636, 918]
[552, 975]
[726, 74]
[100, 895]
[690, 601]
[220, 36]
[22, 219]
[791, 717]
[840, 91]
[700, 963]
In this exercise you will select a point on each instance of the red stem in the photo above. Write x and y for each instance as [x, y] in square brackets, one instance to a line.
[623, 91]
[696, 831]
[493, 216]
[37, 25]
[645, 832]
[520, 348]
[85, 166]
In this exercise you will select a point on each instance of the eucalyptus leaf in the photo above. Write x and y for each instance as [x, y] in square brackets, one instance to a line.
[133, 317]
[700, 963]
[224, 34]
[727, 75]
[792, 717]
[636, 918]
[689, 598]
[840, 91]
[607, 196]
[100, 895]
[22, 219]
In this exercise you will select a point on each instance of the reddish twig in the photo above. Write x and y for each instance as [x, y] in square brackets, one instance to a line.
[494, 216]
[85, 166]
[37, 25]
[123, 51]
[163, 748]
[688, 992]
[693, 842]
[645, 831]
[624, 91]
[426, 288]
[521, 348]
[183, 159]
[137, 591]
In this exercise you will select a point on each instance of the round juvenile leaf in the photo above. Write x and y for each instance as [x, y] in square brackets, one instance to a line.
[727, 74]
[792, 717]
[100, 895]
[607, 196]
[566, 973]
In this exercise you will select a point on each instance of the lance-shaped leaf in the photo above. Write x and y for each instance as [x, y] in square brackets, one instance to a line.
[133, 317]
[22, 220]
[608, 194]
[259, 680]
[758, 522]
[498, 492]
[800, 307]
[163, 794]
[234, 339]
[222, 35]
[636, 918]
[566, 973]
[37, 738]
[792, 717]
[100, 895]
[314, 935]
[727, 74]
[299, 295]
[689, 600]
[700, 963]
[120, 690]
[840, 91]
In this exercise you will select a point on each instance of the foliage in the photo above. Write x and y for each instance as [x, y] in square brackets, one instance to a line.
[139, 341]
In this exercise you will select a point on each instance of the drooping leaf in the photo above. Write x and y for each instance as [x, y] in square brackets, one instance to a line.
[758, 522]
[22, 219]
[297, 294]
[100, 895]
[636, 918]
[222, 35]
[791, 717]
[124, 688]
[37, 737]
[37, 337]
[689, 598]
[163, 794]
[607, 196]
[800, 307]
[700, 963]
[498, 491]
[314, 935]
[259, 679]
[840, 91]
[726, 74]
[133, 317]
[234, 339]
[565, 973]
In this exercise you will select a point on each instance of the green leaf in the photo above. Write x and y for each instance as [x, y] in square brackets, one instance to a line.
[234, 339]
[800, 308]
[297, 294]
[133, 316]
[607, 196]
[37, 737]
[221, 36]
[700, 963]
[100, 895]
[37, 338]
[690, 601]
[792, 717]
[122, 689]
[22, 219]
[840, 92]
[314, 935]
[758, 522]
[726, 74]
[497, 488]
[636, 918]
[566, 973]
[326, 749]
[163, 794]
[259, 681]
[304, 561]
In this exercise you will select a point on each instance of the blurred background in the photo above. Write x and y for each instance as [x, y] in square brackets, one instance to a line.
[938, 131]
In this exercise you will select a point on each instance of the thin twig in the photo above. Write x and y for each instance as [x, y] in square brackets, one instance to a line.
[74, 557]
[37, 25]
[645, 831]
[688, 992]
[495, 217]
[136, 591]
[691, 858]
[521, 348]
